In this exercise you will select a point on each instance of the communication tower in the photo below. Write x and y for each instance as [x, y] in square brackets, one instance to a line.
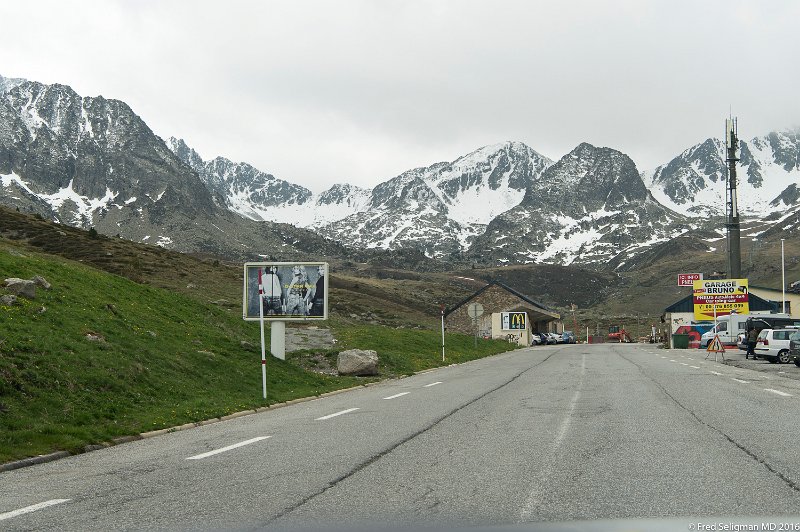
[732, 224]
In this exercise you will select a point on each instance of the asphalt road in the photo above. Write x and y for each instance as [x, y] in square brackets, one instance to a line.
[556, 433]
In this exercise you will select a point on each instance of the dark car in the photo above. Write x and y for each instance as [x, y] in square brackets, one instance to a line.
[794, 348]
[568, 337]
[741, 341]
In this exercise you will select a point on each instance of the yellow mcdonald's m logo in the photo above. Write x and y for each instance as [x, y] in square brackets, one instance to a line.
[517, 320]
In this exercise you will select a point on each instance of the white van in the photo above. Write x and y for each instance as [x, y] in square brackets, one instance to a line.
[729, 327]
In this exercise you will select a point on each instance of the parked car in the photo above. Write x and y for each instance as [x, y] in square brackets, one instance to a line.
[568, 337]
[555, 337]
[773, 344]
[539, 338]
[794, 347]
[535, 339]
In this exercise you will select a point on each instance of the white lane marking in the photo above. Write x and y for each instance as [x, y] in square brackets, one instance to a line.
[664, 358]
[32, 508]
[672, 360]
[336, 414]
[228, 448]
[432, 384]
[534, 497]
[778, 392]
[684, 364]
[562, 431]
[395, 396]
[716, 373]
[740, 380]
[695, 367]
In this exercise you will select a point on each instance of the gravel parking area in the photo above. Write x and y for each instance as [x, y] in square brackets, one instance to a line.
[735, 357]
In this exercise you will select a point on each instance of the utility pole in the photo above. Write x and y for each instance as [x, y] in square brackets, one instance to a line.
[732, 225]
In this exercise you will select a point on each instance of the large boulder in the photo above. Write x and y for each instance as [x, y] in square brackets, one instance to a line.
[361, 362]
[21, 287]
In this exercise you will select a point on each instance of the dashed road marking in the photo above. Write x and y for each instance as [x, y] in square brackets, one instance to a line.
[395, 396]
[684, 364]
[432, 384]
[336, 414]
[695, 367]
[32, 508]
[740, 380]
[716, 373]
[228, 448]
[672, 360]
[784, 394]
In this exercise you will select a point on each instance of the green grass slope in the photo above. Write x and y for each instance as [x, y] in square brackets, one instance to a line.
[99, 356]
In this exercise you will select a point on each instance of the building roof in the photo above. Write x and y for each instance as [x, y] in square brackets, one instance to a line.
[757, 304]
[538, 306]
[793, 288]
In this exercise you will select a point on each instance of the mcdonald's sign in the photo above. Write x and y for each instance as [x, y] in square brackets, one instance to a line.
[514, 321]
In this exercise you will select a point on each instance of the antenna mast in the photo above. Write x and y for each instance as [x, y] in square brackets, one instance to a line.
[732, 225]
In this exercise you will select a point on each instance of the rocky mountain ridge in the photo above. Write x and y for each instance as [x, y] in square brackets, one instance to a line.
[94, 162]
[768, 174]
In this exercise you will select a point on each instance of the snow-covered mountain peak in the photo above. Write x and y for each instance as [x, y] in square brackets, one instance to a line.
[344, 194]
[6, 84]
[185, 153]
[694, 182]
[486, 154]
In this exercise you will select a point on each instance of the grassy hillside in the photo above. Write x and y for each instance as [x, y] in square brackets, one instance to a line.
[99, 356]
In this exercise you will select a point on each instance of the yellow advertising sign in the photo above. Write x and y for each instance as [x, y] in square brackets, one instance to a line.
[721, 295]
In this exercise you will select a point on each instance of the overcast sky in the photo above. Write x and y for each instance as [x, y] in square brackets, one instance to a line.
[358, 91]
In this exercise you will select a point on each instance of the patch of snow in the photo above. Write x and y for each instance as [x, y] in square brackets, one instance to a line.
[12, 178]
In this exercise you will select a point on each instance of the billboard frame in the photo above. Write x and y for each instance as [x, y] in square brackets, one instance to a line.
[250, 291]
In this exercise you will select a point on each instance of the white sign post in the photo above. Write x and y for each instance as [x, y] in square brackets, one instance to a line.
[283, 291]
[475, 311]
[442, 333]
[263, 348]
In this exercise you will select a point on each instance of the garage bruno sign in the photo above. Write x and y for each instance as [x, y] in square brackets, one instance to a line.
[721, 295]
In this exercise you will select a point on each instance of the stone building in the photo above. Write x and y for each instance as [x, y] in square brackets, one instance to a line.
[497, 297]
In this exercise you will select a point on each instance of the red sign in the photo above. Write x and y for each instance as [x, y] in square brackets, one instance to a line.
[688, 279]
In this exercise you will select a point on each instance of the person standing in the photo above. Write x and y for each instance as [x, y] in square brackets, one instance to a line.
[752, 337]
[318, 300]
[273, 293]
[298, 293]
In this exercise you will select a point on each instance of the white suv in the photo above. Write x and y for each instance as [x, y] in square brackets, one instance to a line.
[773, 344]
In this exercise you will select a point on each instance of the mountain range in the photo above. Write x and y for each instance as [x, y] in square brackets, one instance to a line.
[93, 162]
